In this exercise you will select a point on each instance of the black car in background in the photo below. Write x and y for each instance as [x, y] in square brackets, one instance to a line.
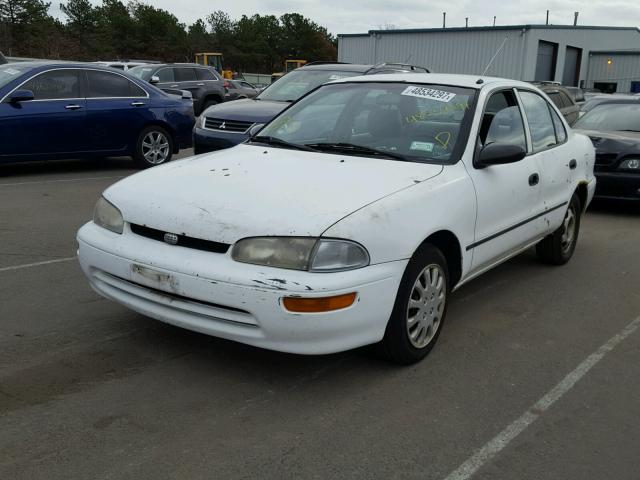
[204, 83]
[614, 129]
[228, 124]
[239, 89]
[562, 98]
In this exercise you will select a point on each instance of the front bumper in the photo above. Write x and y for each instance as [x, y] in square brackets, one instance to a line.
[205, 140]
[618, 185]
[212, 294]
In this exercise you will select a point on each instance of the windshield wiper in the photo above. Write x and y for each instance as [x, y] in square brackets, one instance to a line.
[278, 142]
[353, 148]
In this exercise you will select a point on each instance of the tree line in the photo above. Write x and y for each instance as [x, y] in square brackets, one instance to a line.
[135, 30]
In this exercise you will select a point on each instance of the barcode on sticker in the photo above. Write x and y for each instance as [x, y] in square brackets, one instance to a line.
[431, 93]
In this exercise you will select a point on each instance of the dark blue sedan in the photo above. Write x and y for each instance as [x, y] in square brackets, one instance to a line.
[65, 110]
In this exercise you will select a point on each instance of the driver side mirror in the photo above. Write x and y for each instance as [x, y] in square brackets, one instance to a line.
[154, 79]
[21, 96]
[255, 129]
[499, 154]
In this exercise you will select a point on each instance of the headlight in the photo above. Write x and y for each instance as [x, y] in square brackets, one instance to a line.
[630, 164]
[301, 253]
[108, 216]
[202, 120]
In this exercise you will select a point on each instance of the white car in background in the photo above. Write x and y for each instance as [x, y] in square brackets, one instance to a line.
[350, 218]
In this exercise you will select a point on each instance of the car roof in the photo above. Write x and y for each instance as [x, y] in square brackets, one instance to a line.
[341, 67]
[467, 81]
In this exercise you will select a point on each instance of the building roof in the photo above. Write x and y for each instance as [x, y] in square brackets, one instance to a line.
[488, 28]
[630, 51]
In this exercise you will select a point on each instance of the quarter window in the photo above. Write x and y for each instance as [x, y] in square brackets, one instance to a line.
[204, 74]
[111, 85]
[165, 75]
[55, 85]
[561, 132]
[539, 119]
[502, 121]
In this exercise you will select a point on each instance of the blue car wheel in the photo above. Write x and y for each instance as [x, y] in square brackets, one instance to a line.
[154, 147]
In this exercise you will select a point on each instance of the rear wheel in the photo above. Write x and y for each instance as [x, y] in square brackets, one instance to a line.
[557, 248]
[154, 147]
[420, 308]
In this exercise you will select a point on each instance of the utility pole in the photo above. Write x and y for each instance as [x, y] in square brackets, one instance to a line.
[547, 22]
[466, 22]
[494, 20]
[444, 19]
[575, 18]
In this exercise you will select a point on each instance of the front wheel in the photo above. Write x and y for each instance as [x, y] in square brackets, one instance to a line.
[420, 308]
[154, 147]
[557, 248]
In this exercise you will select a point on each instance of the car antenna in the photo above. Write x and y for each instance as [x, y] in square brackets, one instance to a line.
[495, 55]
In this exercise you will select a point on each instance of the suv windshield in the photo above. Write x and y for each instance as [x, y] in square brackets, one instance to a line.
[143, 73]
[295, 84]
[394, 120]
[10, 72]
[611, 117]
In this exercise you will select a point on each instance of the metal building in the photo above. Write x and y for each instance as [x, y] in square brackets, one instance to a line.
[572, 55]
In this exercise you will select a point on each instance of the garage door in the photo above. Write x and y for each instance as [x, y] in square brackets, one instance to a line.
[571, 72]
[546, 61]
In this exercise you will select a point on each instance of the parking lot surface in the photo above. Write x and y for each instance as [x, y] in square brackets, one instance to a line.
[91, 390]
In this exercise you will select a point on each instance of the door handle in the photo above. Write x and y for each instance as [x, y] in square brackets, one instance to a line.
[137, 104]
[573, 164]
[174, 86]
[200, 84]
[73, 107]
[534, 178]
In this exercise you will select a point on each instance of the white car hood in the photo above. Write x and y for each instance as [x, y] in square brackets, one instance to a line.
[254, 191]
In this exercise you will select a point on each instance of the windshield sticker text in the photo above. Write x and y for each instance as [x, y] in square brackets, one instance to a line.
[423, 146]
[433, 94]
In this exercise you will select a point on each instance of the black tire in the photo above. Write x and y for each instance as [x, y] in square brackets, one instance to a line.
[397, 345]
[141, 157]
[209, 102]
[557, 248]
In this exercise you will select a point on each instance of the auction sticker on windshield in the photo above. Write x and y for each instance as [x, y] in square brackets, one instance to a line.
[431, 93]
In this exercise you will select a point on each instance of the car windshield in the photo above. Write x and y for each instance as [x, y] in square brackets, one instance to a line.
[10, 72]
[143, 73]
[295, 84]
[394, 120]
[611, 117]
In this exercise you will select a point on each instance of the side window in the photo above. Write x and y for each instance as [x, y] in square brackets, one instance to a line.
[204, 74]
[165, 75]
[502, 121]
[561, 132]
[55, 85]
[111, 85]
[184, 74]
[556, 99]
[539, 118]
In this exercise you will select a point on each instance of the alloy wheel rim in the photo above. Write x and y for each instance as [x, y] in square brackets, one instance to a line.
[569, 230]
[426, 305]
[155, 147]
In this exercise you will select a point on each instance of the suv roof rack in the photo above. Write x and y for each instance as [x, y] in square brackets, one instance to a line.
[393, 66]
[325, 63]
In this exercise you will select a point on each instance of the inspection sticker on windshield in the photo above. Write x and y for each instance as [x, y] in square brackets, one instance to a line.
[424, 146]
[431, 93]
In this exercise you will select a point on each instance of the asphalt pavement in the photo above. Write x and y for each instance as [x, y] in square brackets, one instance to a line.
[536, 374]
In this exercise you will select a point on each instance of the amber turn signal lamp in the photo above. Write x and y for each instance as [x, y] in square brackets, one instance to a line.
[318, 304]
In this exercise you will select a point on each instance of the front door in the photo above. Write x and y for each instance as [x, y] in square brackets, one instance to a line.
[49, 125]
[507, 195]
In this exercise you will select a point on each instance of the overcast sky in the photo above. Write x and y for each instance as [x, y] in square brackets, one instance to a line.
[348, 16]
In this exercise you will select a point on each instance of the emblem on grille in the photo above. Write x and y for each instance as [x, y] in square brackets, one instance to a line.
[171, 238]
[223, 126]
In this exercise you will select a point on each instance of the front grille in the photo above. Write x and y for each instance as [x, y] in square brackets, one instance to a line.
[183, 240]
[234, 126]
[605, 159]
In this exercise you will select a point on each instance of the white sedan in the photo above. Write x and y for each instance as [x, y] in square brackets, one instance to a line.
[350, 218]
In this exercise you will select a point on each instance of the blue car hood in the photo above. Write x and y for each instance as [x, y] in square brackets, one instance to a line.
[246, 110]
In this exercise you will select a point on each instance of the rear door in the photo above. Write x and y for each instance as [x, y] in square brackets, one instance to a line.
[117, 110]
[185, 79]
[51, 123]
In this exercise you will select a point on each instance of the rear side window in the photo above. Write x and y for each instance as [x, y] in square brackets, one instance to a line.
[204, 74]
[538, 113]
[556, 98]
[568, 102]
[561, 132]
[185, 74]
[502, 121]
[55, 85]
[111, 85]
[165, 75]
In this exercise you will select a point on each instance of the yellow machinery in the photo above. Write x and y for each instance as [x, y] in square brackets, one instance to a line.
[215, 60]
[289, 66]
